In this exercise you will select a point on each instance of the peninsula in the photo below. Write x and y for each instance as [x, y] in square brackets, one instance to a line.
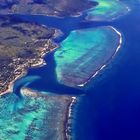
[46, 7]
[22, 45]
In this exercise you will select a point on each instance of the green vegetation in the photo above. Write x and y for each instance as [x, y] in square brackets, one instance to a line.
[46, 7]
[21, 46]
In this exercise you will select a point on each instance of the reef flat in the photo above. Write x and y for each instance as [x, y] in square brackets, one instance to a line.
[22, 45]
[107, 10]
[34, 117]
[46, 7]
[84, 53]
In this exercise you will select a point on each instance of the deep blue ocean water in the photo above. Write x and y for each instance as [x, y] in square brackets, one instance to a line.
[109, 107]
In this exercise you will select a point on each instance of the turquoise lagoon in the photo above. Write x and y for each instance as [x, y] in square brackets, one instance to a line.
[84, 52]
[107, 10]
[35, 117]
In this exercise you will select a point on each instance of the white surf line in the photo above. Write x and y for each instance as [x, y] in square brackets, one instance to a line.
[70, 108]
[102, 67]
[120, 41]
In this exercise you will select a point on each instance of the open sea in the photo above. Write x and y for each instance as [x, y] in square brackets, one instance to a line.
[108, 108]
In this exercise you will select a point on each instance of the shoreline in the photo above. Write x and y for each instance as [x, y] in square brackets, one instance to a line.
[104, 65]
[56, 14]
[53, 16]
[11, 84]
[40, 63]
